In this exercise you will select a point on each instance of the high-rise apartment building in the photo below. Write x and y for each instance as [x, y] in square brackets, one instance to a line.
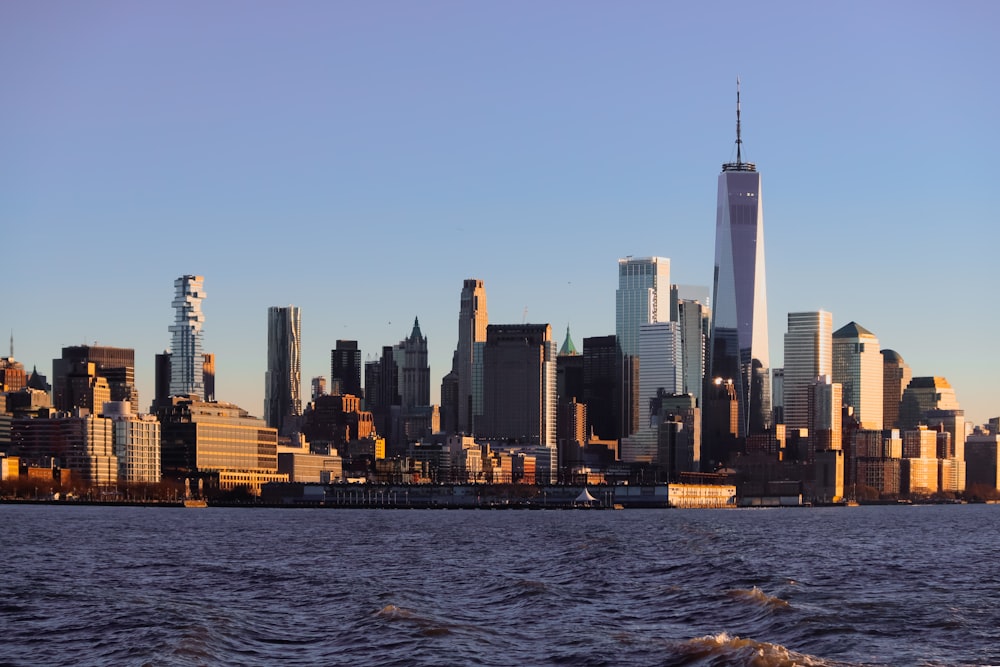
[186, 357]
[896, 376]
[739, 343]
[136, 443]
[808, 355]
[283, 378]
[345, 369]
[84, 443]
[472, 322]
[858, 367]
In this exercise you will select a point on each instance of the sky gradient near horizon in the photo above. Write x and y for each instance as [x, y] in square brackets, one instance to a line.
[360, 160]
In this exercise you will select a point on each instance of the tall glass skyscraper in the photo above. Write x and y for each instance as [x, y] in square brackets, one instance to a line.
[283, 379]
[186, 358]
[642, 298]
[739, 343]
[808, 355]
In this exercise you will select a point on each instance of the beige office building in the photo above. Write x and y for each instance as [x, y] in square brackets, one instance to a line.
[858, 366]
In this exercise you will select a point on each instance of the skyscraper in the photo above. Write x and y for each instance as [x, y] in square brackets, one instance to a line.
[345, 369]
[641, 298]
[519, 384]
[738, 346]
[186, 359]
[415, 373]
[602, 369]
[896, 375]
[660, 365]
[283, 379]
[808, 355]
[472, 322]
[858, 367]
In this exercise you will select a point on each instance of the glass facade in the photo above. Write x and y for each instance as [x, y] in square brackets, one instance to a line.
[739, 340]
[283, 379]
[808, 355]
[199, 437]
[186, 359]
[637, 301]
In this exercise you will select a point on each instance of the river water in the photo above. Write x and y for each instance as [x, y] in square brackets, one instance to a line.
[89, 585]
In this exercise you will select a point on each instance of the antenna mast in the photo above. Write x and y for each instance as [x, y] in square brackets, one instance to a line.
[739, 142]
[739, 165]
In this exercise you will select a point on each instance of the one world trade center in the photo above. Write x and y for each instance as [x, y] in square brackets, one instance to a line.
[739, 345]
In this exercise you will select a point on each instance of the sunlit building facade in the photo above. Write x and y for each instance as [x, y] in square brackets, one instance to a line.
[83, 443]
[858, 365]
[201, 441]
[136, 443]
[473, 319]
[186, 357]
[896, 376]
[925, 394]
[808, 355]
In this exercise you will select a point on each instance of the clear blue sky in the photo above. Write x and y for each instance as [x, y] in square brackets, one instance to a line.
[360, 159]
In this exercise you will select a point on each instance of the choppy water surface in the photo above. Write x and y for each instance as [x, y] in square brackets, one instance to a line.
[839, 586]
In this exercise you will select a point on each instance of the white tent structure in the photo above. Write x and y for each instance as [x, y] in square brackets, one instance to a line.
[585, 498]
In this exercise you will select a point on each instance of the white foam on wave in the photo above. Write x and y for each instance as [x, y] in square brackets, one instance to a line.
[730, 650]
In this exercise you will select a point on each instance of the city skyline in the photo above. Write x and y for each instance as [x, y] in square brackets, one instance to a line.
[407, 173]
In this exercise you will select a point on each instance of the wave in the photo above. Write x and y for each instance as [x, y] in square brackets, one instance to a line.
[758, 596]
[428, 627]
[722, 649]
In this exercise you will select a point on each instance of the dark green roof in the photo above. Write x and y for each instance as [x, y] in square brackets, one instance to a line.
[568, 349]
[416, 328]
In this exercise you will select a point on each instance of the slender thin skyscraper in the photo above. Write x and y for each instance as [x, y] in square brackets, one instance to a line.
[186, 358]
[283, 379]
[472, 321]
[739, 343]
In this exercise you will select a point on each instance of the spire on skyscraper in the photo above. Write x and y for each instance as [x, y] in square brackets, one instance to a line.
[739, 165]
[739, 343]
